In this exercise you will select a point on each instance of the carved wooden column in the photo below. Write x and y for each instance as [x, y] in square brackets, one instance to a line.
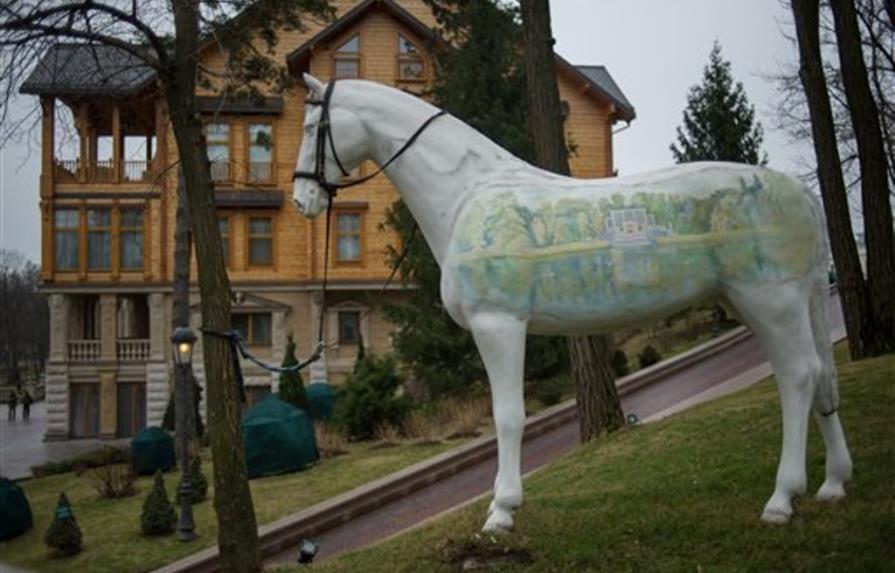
[47, 146]
[117, 144]
[108, 366]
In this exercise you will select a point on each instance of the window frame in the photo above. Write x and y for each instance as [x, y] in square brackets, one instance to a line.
[250, 327]
[356, 57]
[249, 123]
[272, 265]
[228, 243]
[345, 312]
[107, 230]
[120, 230]
[229, 123]
[416, 56]
[76, 230]
[361, 235]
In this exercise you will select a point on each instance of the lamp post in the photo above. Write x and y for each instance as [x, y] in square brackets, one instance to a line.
[183, 341]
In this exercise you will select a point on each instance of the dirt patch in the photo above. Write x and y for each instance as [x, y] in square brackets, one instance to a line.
[485, 552]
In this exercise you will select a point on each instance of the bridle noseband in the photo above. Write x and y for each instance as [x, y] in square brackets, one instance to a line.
[325, 135]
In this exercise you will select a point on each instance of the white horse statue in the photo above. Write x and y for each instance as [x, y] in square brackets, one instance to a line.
[522, 250]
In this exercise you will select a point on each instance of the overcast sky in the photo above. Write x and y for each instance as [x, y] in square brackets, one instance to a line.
[655, 50]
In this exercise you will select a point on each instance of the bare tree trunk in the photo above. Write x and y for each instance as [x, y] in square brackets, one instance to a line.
[599, 409]
[874, 177]
[852, 290]
[237, 526]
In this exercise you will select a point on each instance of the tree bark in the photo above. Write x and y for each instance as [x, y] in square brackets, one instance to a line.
[865, 119]
[180, 312]
[852, 290]
[237, 526]
[599, 408]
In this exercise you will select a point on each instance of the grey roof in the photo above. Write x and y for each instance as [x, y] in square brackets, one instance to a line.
[84, 69]
[600, 76]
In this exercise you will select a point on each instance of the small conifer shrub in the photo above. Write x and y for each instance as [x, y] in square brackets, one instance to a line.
[292, 388]
[158, 517]
[649, 356]
[620, 363]
[198, 481]
[63, 536]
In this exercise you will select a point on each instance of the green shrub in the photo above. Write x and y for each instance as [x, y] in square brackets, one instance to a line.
[169, 420]
[369, 399]
[620, 363]
[158, 517]
[551, 390]
[105, 456]
[63, 535]
[649, 356]
[292, 388]
[198, 482]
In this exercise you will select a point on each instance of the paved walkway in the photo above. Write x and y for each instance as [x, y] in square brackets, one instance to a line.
[735, 368]
[22, 443]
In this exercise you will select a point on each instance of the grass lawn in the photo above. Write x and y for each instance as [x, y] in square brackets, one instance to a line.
[111, 528]
[684, 494]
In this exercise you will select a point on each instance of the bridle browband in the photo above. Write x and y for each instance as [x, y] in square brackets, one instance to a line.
[325, 136]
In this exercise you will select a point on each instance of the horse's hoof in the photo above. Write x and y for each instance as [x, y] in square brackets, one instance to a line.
[830, 492]
[499, 521]
[776, 516]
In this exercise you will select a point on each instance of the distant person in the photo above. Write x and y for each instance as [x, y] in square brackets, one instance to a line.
[13, 402]
[26, 404]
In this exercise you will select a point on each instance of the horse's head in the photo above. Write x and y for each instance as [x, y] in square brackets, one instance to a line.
[334, 142]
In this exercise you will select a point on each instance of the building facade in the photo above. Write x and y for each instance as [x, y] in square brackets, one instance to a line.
[108, 210]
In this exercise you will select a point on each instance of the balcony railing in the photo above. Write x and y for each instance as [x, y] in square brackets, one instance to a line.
[220, 171]
[74, 171]
[83, 350]
[133, 350]
[261, 172]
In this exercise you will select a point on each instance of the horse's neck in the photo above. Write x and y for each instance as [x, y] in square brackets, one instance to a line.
[441, 170]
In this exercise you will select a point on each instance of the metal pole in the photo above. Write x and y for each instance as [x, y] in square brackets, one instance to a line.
[185, 427]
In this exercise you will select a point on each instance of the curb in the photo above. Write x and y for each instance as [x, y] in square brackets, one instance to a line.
[278, 536]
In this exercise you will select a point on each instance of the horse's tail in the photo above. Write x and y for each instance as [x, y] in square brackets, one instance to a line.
[826, 394]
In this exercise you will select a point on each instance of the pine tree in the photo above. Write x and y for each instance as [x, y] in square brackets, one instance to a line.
[481, 80]
[198, 482]
[719, 122]
[158, 517]
[292, 388]
[63, 535]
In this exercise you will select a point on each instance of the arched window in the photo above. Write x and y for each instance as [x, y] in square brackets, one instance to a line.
[410, 62]
[346, 61]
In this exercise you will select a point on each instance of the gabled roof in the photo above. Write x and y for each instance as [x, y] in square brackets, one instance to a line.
[88, 69]
[299, 59]
[596, 78]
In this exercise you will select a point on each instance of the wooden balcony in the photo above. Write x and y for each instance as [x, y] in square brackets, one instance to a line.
[74, 171]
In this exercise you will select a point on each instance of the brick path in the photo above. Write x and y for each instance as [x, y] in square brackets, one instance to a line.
[475, 481]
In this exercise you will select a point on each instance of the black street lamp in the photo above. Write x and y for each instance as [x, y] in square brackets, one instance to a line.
[183, 341]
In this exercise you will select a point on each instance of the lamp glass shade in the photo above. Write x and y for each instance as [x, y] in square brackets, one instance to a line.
[183, 340]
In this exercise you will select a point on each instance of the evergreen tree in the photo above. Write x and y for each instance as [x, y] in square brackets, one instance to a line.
[64, 535]
[198, 482]
[158, 517]
[168, 420]
[292, 388]
[481, 80]
[719, 122]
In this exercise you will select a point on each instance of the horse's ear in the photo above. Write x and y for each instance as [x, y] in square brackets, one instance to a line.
[315, 86]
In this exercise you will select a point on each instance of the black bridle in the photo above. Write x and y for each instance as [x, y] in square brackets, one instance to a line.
[325, 139]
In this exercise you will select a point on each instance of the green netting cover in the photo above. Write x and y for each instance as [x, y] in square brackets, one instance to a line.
[321, 400]
[15, 512]
[278, 438]
[152, 450]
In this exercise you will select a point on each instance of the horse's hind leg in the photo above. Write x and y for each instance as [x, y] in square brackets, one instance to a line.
[779, 317]
[826, 398]
[500, 339]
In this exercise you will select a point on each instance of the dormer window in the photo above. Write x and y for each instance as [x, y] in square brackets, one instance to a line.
[346, 61]
[410, 62]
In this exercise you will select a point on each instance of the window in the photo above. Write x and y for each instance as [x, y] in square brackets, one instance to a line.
[346, 61]
[260, 152]
[131, 237]
[224, 229]
[255, 328]
[99, 239]
[131, 408]
[260, 241]
[348, 237]
[410, 63]
[349, 327]
[83, 410]
[217, 142]
[67, 224]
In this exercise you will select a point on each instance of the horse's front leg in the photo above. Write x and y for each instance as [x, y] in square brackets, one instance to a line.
[501, 342]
